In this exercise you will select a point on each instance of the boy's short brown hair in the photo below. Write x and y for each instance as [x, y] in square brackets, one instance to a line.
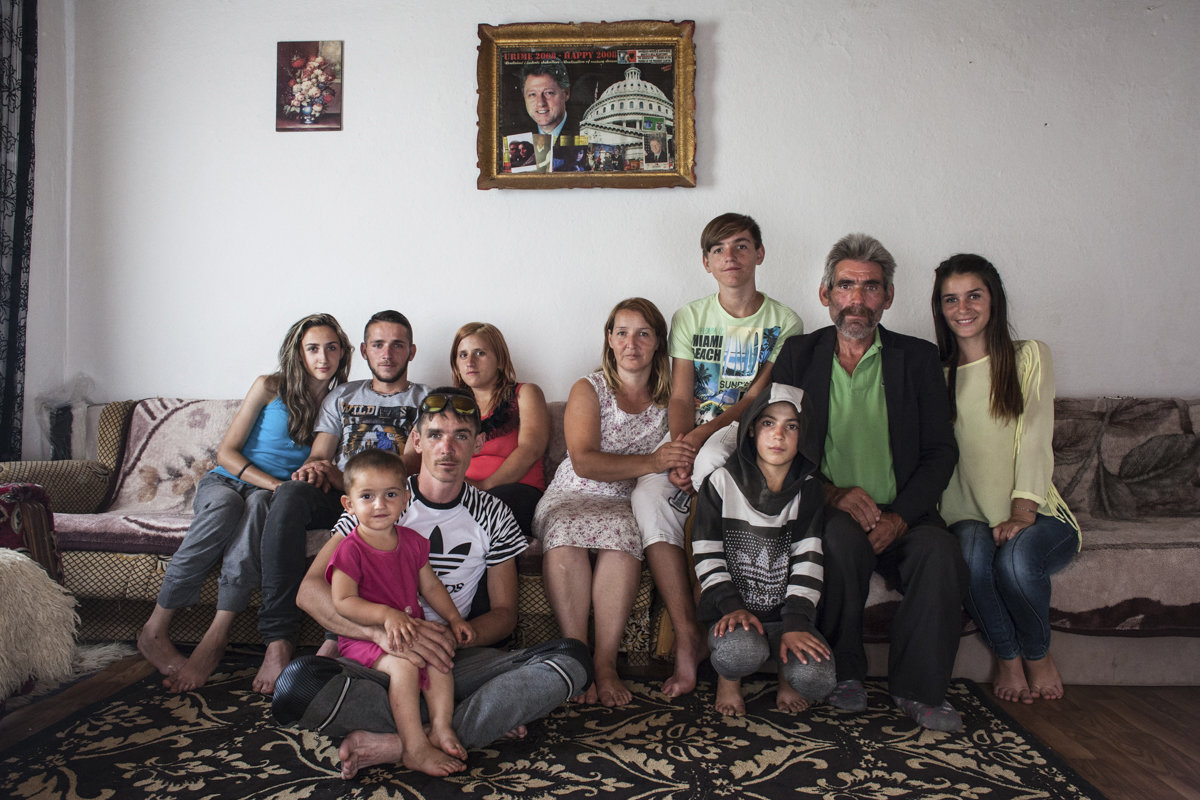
[727, 225]
[373, 459]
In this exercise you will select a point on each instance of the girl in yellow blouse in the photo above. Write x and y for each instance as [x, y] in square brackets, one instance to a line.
[1015, 529]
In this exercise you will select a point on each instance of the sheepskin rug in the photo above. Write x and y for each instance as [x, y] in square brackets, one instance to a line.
[37, 624]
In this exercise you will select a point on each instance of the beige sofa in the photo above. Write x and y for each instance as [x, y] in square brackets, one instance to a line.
[1126, 610]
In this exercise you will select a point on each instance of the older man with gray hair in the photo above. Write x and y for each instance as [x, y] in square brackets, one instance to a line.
[881, 414]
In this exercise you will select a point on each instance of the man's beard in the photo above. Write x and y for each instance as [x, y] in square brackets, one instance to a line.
[859, 328]
[400, 373]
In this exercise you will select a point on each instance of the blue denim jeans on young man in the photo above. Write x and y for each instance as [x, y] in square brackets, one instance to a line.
[1009, 592]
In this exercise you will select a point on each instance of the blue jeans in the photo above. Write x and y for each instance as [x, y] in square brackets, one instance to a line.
[1009, 592]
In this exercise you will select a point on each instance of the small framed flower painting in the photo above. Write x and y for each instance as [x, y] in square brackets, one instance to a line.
[590, 104]
[308, 86]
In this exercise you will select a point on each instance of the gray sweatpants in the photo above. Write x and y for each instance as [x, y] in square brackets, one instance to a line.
[227, 527]
[495, 691]
[742, 652]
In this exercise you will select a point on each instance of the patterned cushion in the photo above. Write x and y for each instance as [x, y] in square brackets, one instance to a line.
[1128, 458]
[134, 533]
[171, 445]
[1131, 578]
[1130, 470]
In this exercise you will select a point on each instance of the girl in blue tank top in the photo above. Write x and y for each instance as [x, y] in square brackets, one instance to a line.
[269, 438]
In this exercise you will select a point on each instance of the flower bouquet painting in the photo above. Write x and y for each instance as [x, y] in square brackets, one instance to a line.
[308, 86]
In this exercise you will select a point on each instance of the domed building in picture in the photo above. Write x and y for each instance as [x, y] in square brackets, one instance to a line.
[625, 112]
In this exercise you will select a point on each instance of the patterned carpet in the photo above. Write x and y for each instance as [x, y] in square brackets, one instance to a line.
[221, 742]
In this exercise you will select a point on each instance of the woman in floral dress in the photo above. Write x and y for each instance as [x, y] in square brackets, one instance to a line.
[614, 420]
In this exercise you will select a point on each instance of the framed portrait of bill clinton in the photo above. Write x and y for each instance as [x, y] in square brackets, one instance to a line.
[590, 104]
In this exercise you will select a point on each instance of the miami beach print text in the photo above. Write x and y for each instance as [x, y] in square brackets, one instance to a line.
[726, 362]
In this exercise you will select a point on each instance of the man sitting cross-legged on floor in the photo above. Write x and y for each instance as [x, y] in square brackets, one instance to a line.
[474, 541]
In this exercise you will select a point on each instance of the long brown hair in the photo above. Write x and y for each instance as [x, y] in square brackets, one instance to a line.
[291, 381]
[1007, 403]
[660, 370]
[506, 380]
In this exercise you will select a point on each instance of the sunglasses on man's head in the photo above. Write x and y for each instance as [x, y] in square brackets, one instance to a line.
[436, 403]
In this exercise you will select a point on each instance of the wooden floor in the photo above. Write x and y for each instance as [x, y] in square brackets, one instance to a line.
[1132, 743]
[25, 722]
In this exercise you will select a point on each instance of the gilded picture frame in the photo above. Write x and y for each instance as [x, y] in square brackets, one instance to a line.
[590, 104]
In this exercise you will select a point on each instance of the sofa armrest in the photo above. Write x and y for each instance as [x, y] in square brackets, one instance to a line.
[27, 525]
[74, 487]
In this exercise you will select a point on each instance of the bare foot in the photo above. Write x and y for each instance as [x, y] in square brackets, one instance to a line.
[587, 698]
[199, 666]
[519, 732]
[1044, 680]
[611, 690]
[158, 650]
[1009, 684]
[328, 648]
[445, 740]
[690, 650]
[729, 698]
[279, 653]
[365, 749]
[424, 757]
[788, 699]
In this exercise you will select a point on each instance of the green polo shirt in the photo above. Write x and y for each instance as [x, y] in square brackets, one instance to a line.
[857, 446]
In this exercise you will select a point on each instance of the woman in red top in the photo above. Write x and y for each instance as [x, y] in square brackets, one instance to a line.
[516, 425]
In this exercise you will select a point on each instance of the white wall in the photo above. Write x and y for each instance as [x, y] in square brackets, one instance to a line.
[177, 234]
